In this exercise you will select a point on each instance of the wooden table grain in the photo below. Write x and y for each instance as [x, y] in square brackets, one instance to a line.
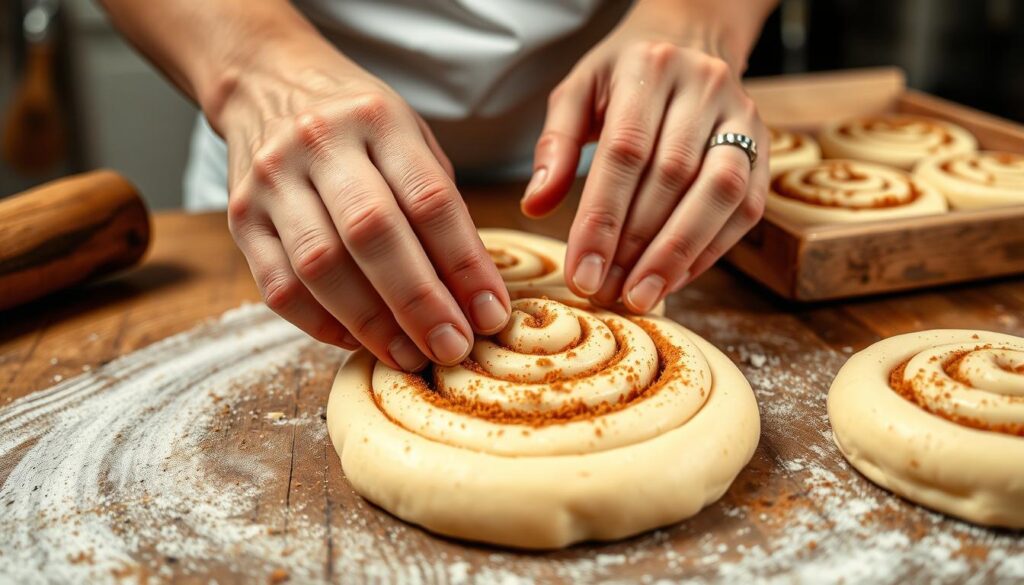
[790, 515]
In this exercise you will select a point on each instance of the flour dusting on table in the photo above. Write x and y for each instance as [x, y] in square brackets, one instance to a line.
[122, 474]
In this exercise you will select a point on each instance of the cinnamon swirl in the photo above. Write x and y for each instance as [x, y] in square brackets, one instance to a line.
[571, 424]
[938, 418]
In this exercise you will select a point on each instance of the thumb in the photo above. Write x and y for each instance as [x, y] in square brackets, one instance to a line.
[558, 149]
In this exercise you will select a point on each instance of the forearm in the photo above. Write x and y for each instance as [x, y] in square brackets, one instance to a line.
[731, 25]
[204, 46]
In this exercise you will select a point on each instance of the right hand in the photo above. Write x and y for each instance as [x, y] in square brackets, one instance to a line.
[345, 208]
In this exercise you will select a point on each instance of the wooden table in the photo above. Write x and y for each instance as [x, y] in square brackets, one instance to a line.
[797, 511]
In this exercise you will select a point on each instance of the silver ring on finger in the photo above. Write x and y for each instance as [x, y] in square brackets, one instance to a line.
[741, 141]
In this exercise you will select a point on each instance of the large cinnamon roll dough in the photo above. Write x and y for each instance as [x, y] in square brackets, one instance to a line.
[790, 150]
[976, 180]
[843, 191]
[938, 418]
[898, 140]
[571, 424]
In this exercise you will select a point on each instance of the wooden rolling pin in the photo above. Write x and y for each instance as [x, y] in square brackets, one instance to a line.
[69, 231]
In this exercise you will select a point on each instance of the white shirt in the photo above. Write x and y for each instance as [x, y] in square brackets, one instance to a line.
[478, 71]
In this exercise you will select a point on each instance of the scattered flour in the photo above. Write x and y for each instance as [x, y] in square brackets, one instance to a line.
[109, 478]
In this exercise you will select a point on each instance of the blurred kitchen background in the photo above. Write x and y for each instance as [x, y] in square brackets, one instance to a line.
[95, 103]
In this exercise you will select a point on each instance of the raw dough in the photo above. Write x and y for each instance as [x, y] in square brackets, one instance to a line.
[526, 260]
[572, 424]
[975, 180]
[841, 191]
[898, 140]
[954, 441]
[791, 150]
[534, 265]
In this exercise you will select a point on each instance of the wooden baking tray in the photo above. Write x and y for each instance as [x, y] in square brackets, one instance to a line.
[811, 263]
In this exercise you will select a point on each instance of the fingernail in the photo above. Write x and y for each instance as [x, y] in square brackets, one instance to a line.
[447, 343]
[588, 273]
[487, 311]
[406, 354]
[647, 292]
[540, 176]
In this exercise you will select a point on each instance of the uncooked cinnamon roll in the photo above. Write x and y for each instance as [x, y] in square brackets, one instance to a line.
[792, 149]
[975, 180]
[938, 418]
[571, 424]
[898, 140]
[841, 191]
[524, 259]
[533, 265]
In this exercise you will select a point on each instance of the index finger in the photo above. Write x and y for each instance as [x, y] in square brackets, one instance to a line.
[438, 215]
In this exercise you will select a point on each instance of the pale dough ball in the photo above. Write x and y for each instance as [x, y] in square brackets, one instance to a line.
[572, 424]
[976, 180]
[898, 140]
[791, 149]
[938, 418]
[842, 191]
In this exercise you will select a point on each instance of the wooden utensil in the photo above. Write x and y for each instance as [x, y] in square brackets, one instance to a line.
[68, 231]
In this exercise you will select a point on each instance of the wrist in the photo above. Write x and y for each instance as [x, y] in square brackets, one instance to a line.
[726, 29]
[270, 59]
[277, 77]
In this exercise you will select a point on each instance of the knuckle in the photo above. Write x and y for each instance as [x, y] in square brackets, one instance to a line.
[715, 72]
[430, 200]
[676, 165]
[326, 330]
[239, 209]
[279, 290]
[371, 109]
[365, 225]
[416, 299]
[634, 240]
[546, 141]
[268, 167]
[557, 93]
[466, 264]
[315, 258]
[628, 146]
[602, 222]
[752, 209]
[681, 249]
[661, 53]
[729, 183]
[370, 323]
[314, 132]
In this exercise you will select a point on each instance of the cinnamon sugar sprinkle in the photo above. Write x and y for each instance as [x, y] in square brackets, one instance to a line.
[909, 390]
[670, 367]
[810, 190]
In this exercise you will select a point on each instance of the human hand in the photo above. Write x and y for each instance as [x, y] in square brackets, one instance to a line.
[344, 206]
[658, 207]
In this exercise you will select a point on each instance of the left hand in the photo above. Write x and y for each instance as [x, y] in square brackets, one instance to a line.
[658, 207]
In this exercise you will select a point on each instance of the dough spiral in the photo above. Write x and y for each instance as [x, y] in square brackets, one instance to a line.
[938, 417]
[842, 191]
[525, 260]
[898, 140]
[570, 424]
[791, 150]
[975, 180]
